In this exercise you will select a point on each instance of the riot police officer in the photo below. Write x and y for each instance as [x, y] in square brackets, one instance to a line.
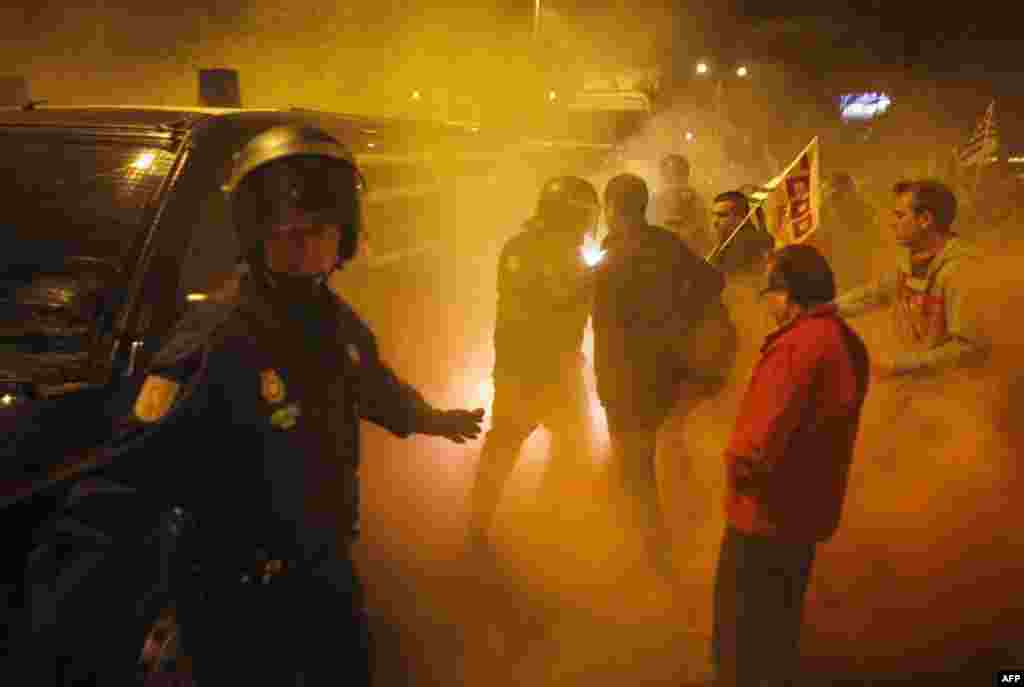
[250, 415]
[543, 306]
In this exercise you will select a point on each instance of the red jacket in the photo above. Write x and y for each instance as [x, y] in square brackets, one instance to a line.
[790, 453]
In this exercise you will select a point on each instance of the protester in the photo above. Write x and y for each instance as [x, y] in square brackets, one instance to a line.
[928, 290]
[650, 294]
[786, 471]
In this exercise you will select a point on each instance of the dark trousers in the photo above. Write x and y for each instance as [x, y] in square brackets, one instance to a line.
[633, 471]
[306, 629]
[98, 576]
[518, 410]
[758, 609]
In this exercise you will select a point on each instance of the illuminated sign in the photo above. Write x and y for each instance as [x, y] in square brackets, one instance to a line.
[863, 106]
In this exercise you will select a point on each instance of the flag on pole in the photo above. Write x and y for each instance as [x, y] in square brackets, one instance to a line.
[792, 200]
[789, 206]
[983, 145]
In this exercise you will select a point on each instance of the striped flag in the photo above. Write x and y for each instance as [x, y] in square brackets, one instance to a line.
[983, 145]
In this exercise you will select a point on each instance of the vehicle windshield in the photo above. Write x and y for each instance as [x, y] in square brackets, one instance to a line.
[67, 197]
[72, 214]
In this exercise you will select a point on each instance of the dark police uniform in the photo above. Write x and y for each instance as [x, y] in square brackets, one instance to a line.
[543, 306]
[264, 432]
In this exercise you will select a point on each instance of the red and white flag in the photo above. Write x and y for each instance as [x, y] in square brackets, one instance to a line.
[791, 201]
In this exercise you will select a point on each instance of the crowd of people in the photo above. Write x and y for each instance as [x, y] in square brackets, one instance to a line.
[790, 455]
[284, 370]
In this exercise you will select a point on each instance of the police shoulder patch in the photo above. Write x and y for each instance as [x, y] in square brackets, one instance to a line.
[272, 386]
[155, 398]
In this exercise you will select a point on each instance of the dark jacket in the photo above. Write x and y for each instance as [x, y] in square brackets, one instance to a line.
[746, 250]
[649, 292]
[262, 439]
[789, 458]
[543, 306]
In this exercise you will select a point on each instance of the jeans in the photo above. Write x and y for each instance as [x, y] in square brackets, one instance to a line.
[758, 609]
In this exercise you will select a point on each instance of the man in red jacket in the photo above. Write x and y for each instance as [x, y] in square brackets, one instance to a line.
[786, 470]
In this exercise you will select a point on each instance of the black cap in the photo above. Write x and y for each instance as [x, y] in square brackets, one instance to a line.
[803, 273]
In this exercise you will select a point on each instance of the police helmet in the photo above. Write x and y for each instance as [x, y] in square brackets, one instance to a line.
[290, 170]
[566, 196]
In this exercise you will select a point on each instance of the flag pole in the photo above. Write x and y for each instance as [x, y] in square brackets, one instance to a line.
[754, 206]
[722, 245]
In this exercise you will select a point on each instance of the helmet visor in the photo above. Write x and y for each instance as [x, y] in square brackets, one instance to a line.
[306, 190]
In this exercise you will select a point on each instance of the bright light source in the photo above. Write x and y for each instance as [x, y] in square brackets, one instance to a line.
[552, 96]
[591, 251]
[371, 145]
[6, 400]
[416, 95]
[742, 72]
[703, 68]
[144, 161]
[485, 393]
[689, 136]
[196, 297]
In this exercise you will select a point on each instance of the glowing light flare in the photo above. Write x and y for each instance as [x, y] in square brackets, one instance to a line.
[196, 297]
[591, 251]
[552, 96]
[6, 400]
[485, 393]
[416, 95]
[144, 161]
[689, 137]
[742, 72]
[703, 68]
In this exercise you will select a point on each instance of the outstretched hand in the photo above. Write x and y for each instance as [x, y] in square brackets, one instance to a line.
[457, 425]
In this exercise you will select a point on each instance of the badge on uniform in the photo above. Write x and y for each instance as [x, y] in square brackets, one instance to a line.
[287, 417]
[272, 386]
[155, 398]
